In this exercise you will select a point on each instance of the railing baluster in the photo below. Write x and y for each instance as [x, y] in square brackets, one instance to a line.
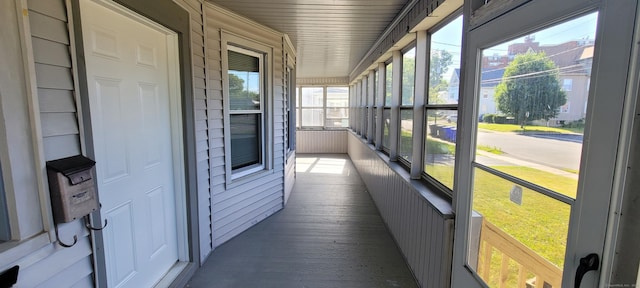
[486, 260]
[511, 249]
[522, 276]
[504, 271]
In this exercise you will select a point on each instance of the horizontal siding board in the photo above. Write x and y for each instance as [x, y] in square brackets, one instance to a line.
[199, 94]
[249, 219]
[51, 8]
[52, 53]
[55, 100]
[266, 180]
[238, 206]
[85, 282]
[58, 124]
[290, 177]
[61, 146]
[42, 271]
[49, 28]
[53, 77]
[198, 72]
[69, 276]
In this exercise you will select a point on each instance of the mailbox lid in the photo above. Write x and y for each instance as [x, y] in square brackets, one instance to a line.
[76, 168]
[71, 165]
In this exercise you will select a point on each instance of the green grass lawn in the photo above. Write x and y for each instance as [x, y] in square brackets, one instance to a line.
[493, 150]
[541, 223]
[516, 128]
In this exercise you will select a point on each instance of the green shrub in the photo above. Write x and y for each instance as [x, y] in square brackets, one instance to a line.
[488, 118]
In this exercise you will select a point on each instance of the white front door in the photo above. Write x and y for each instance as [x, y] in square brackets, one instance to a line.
[128, 76]
[528, 216]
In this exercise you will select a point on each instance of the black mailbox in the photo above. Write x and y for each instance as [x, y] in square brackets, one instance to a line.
[73, 187]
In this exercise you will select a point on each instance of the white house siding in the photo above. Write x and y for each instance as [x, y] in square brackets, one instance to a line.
[420, 221]
[48, 24]
[289, 56]
[53, 265]
[290, 176]
[236, 209]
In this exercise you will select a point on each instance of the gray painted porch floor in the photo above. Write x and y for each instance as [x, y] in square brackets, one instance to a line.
[329, 235]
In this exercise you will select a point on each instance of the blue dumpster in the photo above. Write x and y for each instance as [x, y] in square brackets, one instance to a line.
[447, 133]
[451, 134]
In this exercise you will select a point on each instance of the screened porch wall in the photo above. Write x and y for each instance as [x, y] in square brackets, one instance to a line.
[420, 221]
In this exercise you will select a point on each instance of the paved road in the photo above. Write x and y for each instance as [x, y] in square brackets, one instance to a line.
[550, 152]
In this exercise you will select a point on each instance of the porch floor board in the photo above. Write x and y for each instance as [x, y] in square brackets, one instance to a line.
[330, 234]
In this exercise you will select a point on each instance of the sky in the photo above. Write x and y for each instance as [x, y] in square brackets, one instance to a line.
[449, 37]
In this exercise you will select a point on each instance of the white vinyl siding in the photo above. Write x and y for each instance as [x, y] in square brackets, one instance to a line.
[48, 265]
[238, 206]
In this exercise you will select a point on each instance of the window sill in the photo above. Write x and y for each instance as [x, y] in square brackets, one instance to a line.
[12, 251]
[439, 200]
[321, 128]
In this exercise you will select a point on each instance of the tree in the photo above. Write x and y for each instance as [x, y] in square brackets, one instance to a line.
[408, 79]
[236, 85]
[530, 89]
[239, 96]
[438, 66]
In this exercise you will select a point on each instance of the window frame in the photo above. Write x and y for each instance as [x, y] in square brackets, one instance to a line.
[386, 94]
[406, 163]
[430, 107]
[301, 108]
[372, 106]
[325, 92]
[241, 45]
[363, 111]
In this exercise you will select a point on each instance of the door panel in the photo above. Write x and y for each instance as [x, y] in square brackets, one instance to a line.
[531, 201]
[127, 74]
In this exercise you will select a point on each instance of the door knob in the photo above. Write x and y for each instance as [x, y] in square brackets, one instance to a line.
[587, 263]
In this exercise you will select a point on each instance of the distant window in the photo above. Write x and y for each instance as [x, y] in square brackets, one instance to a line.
[337, 107]
[372, 107]
[324, 107]
[386, 112]
[311, 107]
[405, 139]
[567, 84]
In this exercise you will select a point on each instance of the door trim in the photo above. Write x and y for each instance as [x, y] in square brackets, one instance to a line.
[183, 132]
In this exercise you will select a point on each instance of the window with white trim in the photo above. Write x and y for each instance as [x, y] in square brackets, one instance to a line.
[245, 109]
[323, 107]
